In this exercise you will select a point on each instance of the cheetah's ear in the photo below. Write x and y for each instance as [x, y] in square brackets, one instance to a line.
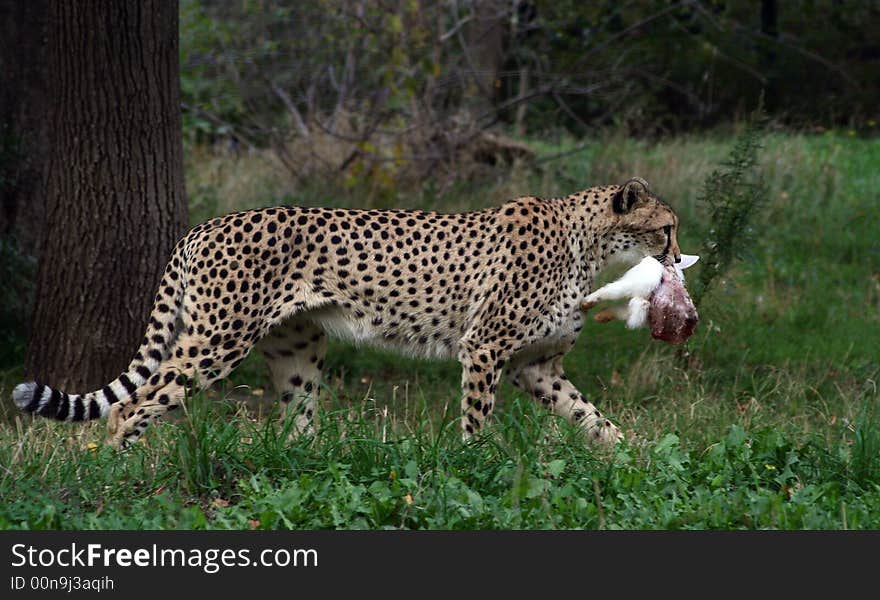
[630, 194]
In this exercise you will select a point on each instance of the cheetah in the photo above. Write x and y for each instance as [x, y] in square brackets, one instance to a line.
[500, 289]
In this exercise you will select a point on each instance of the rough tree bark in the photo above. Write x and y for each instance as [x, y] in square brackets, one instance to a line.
[115, 201]
[486, 53]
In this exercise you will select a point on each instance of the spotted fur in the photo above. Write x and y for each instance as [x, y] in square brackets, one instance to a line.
[498, 289]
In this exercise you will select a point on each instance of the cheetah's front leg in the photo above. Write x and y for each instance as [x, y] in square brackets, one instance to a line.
[545, 380]
[480, 373]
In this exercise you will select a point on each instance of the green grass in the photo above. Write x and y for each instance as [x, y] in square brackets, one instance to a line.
[770, 421]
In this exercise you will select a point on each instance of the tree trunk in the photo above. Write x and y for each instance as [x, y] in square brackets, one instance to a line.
[770, 28]
[486, 53]
[115, 203]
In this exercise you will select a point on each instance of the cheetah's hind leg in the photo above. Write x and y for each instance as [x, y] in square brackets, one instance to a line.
[195, 361]
[295, 352]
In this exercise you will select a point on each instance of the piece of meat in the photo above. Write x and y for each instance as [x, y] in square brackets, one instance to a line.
[672, 315]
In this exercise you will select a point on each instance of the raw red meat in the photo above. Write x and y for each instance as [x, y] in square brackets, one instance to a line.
[672, 314]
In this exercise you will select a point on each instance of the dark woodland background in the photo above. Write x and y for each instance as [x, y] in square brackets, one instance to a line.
[387, 92]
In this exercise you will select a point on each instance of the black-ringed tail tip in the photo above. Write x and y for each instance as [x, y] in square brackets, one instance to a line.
[24, 397]
[42, 400]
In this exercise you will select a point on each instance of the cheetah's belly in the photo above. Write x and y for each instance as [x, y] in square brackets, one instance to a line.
[418, 340]
[558, 336]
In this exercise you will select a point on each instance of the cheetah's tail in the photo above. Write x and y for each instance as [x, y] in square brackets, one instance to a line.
[162, 330]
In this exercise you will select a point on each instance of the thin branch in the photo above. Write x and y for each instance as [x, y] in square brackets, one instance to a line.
[671, 85]
[707, 15]
[510, 103]
[558, 155]
[571, 115]
[628, 30]
[455, 28]
[290, 106]
[237, 130]
[800, 50]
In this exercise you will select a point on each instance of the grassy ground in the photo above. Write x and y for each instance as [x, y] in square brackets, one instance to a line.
[774, 422]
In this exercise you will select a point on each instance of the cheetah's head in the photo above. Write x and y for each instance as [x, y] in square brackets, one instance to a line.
[643, 225]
